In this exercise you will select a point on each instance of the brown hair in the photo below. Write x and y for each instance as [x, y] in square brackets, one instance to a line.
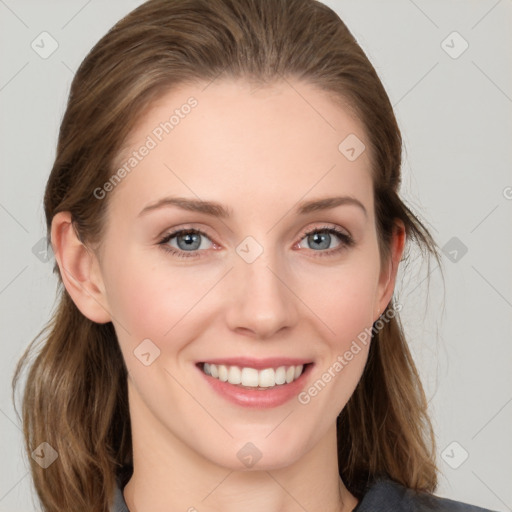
[75, 396]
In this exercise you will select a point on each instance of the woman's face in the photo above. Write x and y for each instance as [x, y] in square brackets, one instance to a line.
[248, 289]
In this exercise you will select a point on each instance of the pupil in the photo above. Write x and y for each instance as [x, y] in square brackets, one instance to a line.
[189, 239]
[317, 237]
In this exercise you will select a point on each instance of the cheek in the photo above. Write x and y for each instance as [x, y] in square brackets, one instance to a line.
[349, 306]
[346, 299]
[136, 301]
[150, 301]
[346, 308]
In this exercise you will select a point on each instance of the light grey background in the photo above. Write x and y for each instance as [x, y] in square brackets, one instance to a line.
[454, 114]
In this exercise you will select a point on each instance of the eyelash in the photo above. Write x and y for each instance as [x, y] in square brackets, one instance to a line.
[346, 241]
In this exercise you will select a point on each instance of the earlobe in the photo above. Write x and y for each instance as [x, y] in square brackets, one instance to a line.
[389, 273]
[79, 270]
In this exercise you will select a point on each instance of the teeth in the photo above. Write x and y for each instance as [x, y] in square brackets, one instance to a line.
[280, 375]
[234, 375]
[223, 373]
[266, 378]
[250, 377]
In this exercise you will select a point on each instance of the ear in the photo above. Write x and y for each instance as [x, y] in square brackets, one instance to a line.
[79, 269]
[390, 269]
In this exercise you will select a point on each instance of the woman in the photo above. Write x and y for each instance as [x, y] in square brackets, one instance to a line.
[226, 223]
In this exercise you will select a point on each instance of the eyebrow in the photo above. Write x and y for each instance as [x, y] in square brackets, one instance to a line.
[218, 210]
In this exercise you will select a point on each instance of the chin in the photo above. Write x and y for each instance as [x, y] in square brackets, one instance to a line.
[258, 454]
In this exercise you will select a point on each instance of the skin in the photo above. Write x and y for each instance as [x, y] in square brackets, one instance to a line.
[258, 151]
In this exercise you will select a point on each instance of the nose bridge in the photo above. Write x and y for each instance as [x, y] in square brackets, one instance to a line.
[261, 301]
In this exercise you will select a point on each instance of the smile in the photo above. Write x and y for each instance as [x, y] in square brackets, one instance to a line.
[251, 377]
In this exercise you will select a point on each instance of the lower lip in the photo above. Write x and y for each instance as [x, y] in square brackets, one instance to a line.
[258, 398]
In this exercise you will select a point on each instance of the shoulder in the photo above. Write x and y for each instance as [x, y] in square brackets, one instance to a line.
[388, 496]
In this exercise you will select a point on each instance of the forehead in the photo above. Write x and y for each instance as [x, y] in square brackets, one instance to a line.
[232, 140]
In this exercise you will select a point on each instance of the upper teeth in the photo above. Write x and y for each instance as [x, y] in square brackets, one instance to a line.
[251, 377]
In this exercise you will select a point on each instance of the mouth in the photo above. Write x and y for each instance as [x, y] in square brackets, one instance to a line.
[248, 377]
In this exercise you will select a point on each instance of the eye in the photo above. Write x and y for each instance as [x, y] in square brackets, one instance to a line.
[322, 238]
[188, 240]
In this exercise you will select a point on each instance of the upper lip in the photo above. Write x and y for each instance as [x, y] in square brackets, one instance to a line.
[259, 364]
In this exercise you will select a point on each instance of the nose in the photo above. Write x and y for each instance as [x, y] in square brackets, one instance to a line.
[262, 301]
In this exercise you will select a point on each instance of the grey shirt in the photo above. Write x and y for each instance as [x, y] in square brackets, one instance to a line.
[119, 503]
[380, 496]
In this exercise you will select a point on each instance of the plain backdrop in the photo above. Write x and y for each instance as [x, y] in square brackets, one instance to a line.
[447, 68]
